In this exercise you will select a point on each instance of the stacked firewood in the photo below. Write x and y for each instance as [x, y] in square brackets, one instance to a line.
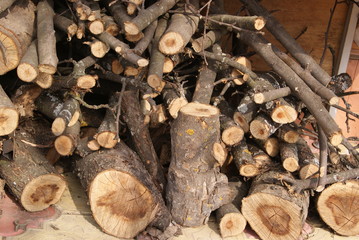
[162, 126]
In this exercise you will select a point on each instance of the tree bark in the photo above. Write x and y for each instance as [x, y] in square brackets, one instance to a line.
[141, 136]
[46, 40]
[309, 164]
[195, 187]
[31, 178]
[27, 70]
[146, 16]
[122, 196]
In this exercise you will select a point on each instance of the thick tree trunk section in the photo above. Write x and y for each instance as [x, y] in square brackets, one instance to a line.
[46, 40]
[337, 207]
[274, 213]
[195, 186]
[16, 31]
[123, 198]
[141, 136]
[30, 177]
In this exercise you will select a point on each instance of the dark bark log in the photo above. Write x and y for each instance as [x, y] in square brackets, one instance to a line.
[66, 25]
[246, 111]
[66, 144]
[289, 156]
[243, 159]
[141, 136]
[67, 117]
[309, 164]
[122, 196]
[263, 127]
[30, 177]
[173, 99]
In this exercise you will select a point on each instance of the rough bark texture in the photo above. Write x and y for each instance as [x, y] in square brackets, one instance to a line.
[141, 136]
[30, 177]
[27, 70]
[123, 198]
[46, 40]
[195, 187]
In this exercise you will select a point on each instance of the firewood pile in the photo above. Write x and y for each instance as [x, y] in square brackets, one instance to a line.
[162, 126]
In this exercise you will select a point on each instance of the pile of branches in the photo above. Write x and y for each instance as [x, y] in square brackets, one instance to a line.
[162, 126]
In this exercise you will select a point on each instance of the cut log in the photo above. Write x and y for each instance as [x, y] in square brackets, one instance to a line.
[262, 127]
[173, 99]
[122, 196]
[30, 177]
[269, 145]
[155, 70]
[274, 213]
[246, 111]
[230, 219]
[141, 136]
[287, 134]
[49, 104]
[27, 70]
[66, 25]
[9, 116]
[207, 40]
[243, 159]
[110, 25]
[179, 32]
[143, 44]
[220, 153]
[16, 32]
[24, 99]
[147, 16]
[195, 187]
[118, 12]
[337, 207]
[289, 156]
[46, 40]
[44, 80]
[263, 97]
[107, 132]
[68, 116]
[66, 144]
[309, 164]
[296, 84]
[253, 23]
[237, 75]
